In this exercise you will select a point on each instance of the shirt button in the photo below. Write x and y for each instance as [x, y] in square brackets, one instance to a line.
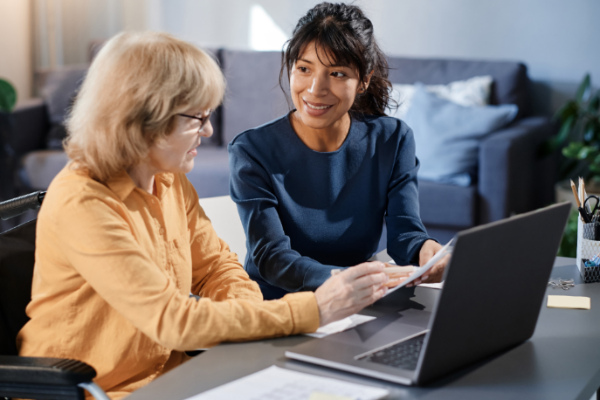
[162, 231]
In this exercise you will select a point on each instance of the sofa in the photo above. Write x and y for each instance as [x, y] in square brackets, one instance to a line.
[511, 176]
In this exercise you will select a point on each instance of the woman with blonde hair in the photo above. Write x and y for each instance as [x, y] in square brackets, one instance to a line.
[122, 241]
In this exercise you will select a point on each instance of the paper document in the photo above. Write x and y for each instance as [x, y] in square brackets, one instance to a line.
[447, 249]
[438, 285]
[341, 325]
[276, 383]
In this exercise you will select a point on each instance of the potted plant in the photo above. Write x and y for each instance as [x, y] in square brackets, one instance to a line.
[579, 140]
[8, 96]
[8, 99]
[579, 134]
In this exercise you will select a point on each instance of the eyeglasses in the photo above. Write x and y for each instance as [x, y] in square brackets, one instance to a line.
[203, 120]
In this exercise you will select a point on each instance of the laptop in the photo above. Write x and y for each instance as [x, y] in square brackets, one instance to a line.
[494, 287]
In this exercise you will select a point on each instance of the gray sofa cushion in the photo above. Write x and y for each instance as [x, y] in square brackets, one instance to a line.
[511, 84]
[210, 176]
[58, 88]
[448, 205]
[41, 166]
[253, 94]
[31, 126]
[215, 119]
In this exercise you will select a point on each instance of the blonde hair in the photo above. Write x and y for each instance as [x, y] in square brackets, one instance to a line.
[135, 86]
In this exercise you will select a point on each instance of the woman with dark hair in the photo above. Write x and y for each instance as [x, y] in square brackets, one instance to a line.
[313, 187]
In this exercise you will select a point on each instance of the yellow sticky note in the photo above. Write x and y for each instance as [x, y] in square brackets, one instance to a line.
[578, 302]
[327, 396]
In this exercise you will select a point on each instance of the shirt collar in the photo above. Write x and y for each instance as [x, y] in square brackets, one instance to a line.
[122, 184]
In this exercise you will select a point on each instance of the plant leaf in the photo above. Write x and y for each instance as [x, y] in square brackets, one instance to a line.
[569, 109]
[8, 96]
[565, 130]
[584, 152]
[591, 131]
[572, 150]
[583, 88]
[594, 104]
[588, 131]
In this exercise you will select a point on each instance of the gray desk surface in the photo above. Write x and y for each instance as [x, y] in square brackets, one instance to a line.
[561, 361]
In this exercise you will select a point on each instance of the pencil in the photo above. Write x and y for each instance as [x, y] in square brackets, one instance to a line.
[575, 194]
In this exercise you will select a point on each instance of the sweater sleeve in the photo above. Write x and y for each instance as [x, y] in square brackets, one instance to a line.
[100, 244]
[268, 245]
[405, 230]
[216, 271]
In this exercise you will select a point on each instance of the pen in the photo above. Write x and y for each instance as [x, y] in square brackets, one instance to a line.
[584, 215]
[575, 194]
[582, 211]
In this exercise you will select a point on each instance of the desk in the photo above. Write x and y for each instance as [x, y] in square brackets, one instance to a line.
[561, 361]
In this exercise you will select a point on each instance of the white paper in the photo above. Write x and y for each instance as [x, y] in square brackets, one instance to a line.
[341, 325]
[447, 249]
[439, 285]
[276, 383]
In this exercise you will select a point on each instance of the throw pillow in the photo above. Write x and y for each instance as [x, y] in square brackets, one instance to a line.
[471, 92]
[447, 135]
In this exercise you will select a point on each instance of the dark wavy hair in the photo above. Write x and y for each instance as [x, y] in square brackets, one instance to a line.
[347, 35]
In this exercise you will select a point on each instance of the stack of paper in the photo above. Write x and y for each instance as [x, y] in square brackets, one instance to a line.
[276, 383]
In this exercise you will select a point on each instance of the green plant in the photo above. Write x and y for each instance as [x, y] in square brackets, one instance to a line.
[8, 96]
[568, 244]
[579, 134]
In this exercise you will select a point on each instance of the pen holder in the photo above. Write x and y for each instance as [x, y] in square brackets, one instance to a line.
[591, 231]
[588, 247]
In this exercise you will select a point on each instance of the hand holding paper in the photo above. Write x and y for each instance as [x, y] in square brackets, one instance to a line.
[398, 274]
[419, 271]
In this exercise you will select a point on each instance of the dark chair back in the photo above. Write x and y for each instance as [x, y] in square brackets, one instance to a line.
[17, 249]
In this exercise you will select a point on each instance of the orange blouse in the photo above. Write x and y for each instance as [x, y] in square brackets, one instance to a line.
[114, 269]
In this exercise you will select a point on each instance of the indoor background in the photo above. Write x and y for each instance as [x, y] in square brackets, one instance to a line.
[556, 39]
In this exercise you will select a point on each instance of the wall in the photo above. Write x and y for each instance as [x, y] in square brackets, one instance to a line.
[557, 39]
[16, 45]
[64, 29]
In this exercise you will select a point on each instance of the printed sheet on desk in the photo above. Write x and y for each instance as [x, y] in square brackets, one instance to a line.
[276, 383]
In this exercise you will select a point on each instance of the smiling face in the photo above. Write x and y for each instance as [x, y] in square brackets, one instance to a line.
[322, 93]
[175, 152]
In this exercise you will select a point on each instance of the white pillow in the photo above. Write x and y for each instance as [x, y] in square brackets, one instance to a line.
[471, 92]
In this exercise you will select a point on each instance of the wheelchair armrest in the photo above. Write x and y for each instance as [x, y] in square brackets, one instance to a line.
[44, 371]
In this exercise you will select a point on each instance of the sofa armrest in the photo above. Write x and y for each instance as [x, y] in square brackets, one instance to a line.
[31, 126]
[513, 176]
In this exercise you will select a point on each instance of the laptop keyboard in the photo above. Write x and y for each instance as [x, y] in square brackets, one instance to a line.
[403, 355]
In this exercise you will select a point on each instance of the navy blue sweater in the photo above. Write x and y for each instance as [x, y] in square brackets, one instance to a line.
[307, 212]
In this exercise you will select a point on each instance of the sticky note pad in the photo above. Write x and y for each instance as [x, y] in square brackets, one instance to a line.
[577, 302]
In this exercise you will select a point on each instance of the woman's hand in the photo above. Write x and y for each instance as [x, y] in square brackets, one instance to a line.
[436, 273]
[350, 291]
[397, 274]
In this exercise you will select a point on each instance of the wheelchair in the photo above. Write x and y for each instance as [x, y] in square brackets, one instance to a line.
[30, 377]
